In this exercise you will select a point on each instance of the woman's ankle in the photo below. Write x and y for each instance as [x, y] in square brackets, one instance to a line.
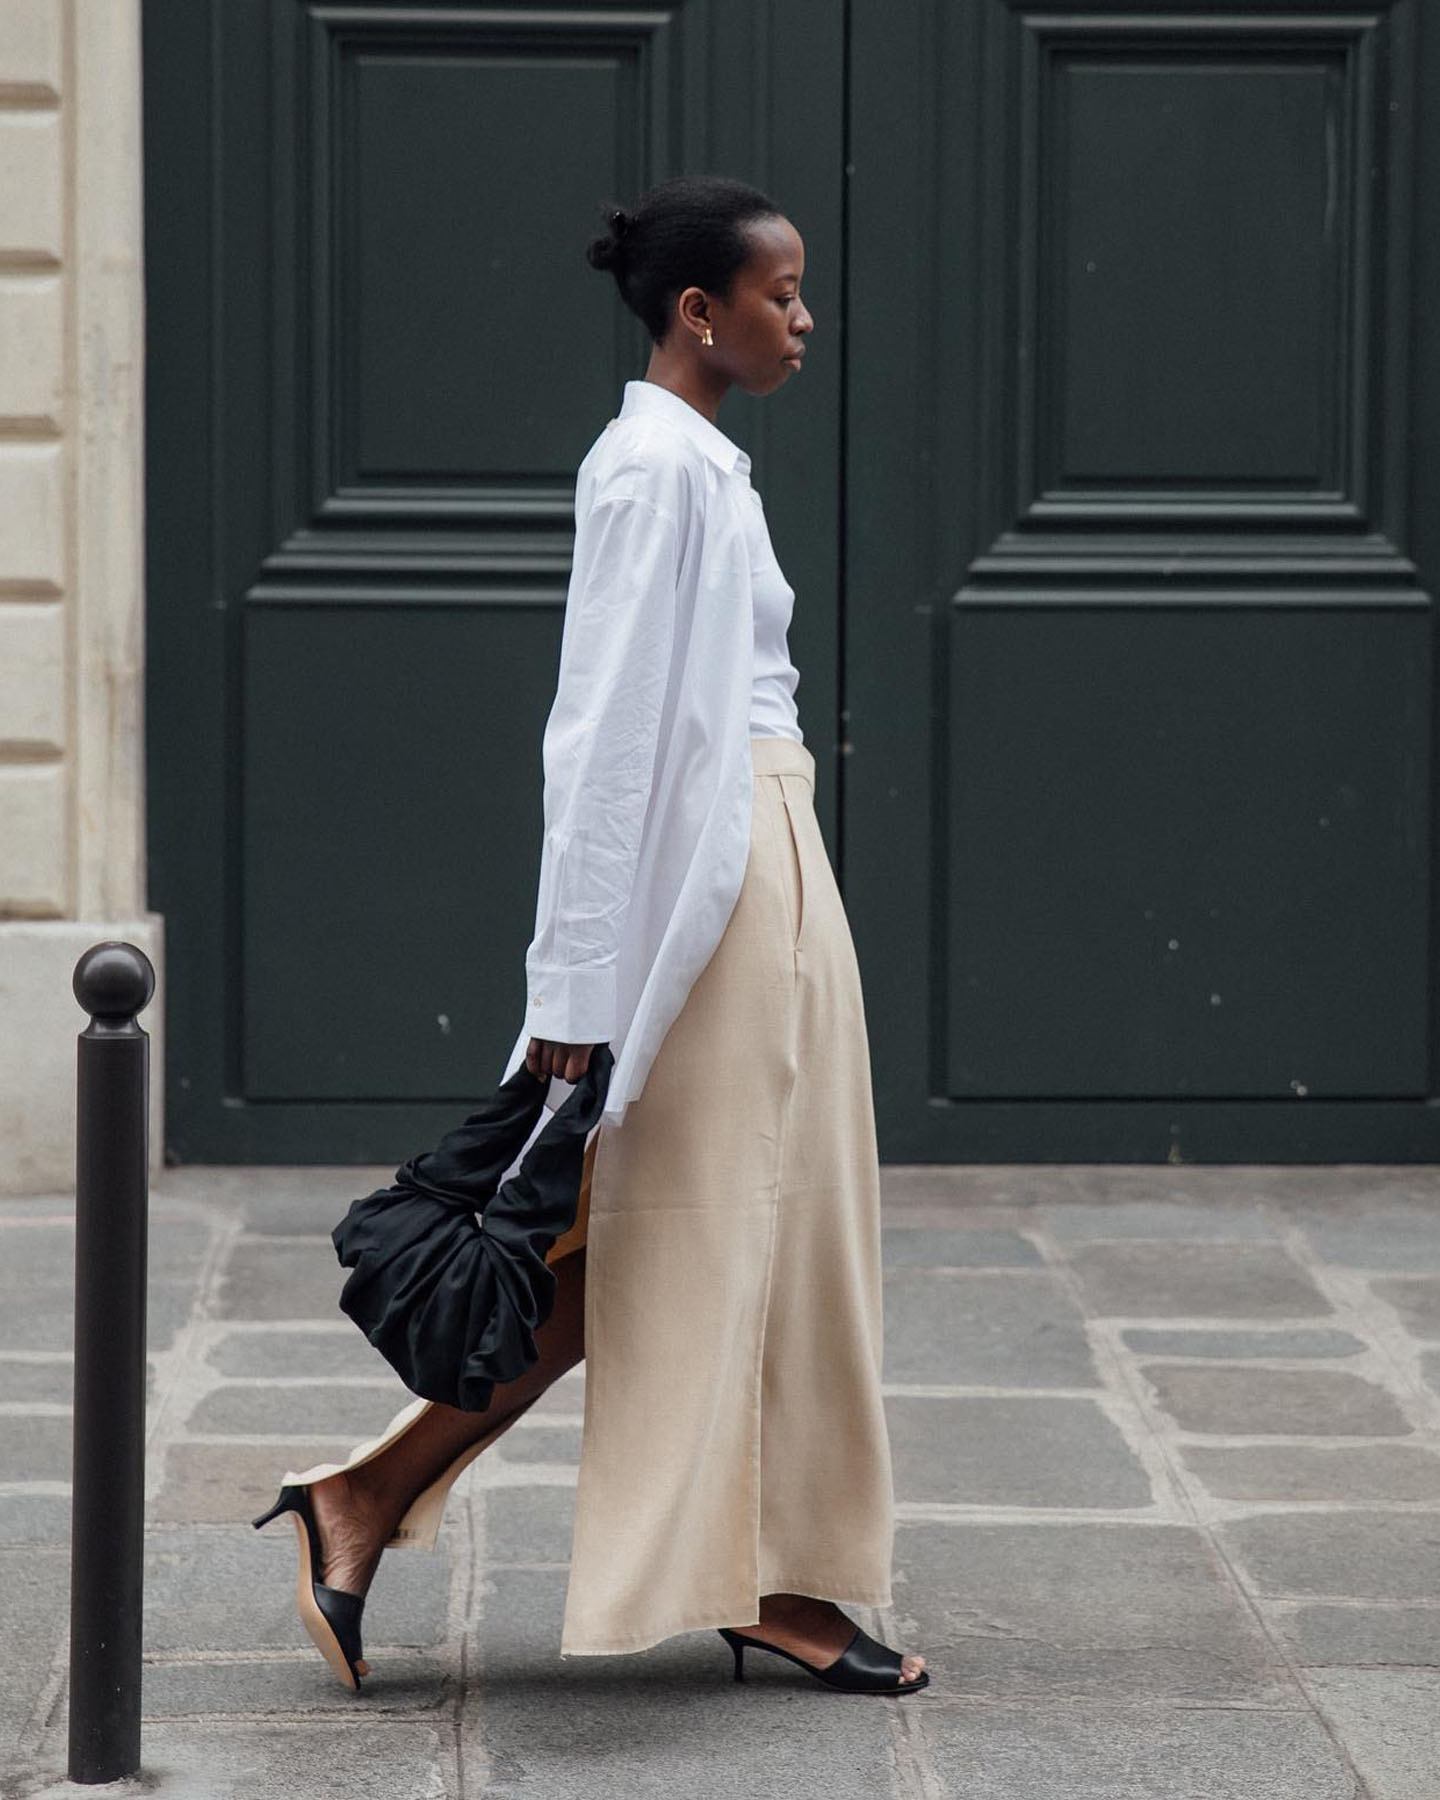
[780, 1607]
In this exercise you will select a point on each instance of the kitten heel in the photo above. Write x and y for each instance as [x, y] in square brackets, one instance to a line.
[864, 1666]
[737, 1645]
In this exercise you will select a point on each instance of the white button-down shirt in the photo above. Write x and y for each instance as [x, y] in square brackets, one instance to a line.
[646, 749]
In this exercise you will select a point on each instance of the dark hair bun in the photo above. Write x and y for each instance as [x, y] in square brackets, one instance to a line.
[602, 253]
[606, 252]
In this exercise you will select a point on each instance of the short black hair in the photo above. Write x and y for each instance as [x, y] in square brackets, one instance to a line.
[686, 232]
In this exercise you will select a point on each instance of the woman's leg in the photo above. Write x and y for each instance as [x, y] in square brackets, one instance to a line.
[357, 1510]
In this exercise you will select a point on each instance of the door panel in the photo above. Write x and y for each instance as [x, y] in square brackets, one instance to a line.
[376, 357]
[1138, 650]
[1186, 910]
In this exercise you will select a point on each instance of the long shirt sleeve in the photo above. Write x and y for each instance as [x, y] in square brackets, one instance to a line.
[599, 757]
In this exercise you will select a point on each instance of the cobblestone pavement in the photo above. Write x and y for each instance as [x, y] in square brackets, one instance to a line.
[1167, 1451]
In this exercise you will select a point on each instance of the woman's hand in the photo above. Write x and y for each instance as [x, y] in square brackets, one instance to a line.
[544, 1057]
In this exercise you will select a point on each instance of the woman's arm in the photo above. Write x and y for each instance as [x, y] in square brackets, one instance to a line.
[599, 754]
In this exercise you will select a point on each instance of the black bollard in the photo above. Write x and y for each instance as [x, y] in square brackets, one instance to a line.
[113, 982]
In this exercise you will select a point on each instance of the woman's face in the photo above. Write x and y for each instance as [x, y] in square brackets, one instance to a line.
[760, 330]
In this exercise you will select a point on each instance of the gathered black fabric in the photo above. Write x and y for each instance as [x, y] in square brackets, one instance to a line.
[449, 1279]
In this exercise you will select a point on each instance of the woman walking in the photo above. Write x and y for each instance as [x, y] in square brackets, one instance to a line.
[722, 1280]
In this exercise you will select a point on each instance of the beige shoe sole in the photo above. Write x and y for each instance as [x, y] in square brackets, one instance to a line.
[311, 1617]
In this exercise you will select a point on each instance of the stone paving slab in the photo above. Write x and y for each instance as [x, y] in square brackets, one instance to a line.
[36, 1447]
[1357, 1634]
[1389, 1720]
[1082, 1611]
[314, 1409]
[995, 1330]
[34, 1518]
[1405, 1239]
[1057, 1753]
[312, 1355]
[35, 1584]
[1241, 1346]
[1355, 1554]
[1417, 1300]
[1315, 1472]
[265, 1279]
[1275, 1402]
[528, 1524]
[1195, 1281]
[1159, 1221]
[27, 1383]
[1031, 1451]
[957, 1247]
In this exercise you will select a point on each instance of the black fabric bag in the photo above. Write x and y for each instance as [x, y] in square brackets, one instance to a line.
[450, 1302]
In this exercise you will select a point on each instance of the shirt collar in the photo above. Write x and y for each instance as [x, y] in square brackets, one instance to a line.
[649, 396]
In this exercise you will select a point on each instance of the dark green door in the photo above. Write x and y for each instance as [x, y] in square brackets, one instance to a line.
[1143, 391]
[1103, 492]
[376, 356]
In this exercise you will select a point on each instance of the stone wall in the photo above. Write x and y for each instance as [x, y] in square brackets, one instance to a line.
[72, 580]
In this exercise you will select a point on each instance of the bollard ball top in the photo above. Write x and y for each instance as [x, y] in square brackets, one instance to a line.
[114, 980]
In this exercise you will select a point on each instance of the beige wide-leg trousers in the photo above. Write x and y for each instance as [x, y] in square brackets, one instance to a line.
[735, 1441]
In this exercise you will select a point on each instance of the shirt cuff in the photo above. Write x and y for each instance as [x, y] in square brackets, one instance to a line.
[570, 1006]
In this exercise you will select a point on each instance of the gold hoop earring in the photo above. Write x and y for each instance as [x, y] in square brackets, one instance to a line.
[708, 339]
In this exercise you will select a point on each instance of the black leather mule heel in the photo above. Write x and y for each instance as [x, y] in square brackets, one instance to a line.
[330, 1615]
[864, 1666]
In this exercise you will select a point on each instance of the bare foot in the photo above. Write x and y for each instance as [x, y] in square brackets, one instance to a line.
[814, 1630]
[352, 1534]
[352, 1537]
